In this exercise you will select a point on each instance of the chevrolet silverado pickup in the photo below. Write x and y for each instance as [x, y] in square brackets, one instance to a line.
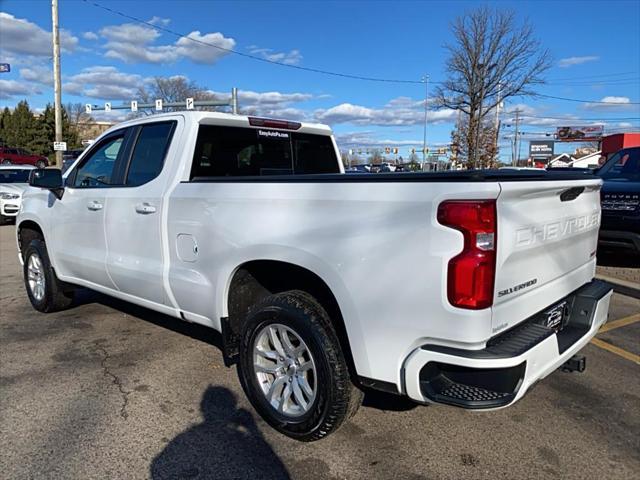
[251, 227]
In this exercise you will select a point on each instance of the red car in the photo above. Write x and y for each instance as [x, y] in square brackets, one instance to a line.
[17, 156]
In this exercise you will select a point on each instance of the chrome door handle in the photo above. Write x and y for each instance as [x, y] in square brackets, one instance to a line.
[94, 205]
[145, 208]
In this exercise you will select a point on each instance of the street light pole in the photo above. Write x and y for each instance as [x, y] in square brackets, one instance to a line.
[425, 79]
[56, 79]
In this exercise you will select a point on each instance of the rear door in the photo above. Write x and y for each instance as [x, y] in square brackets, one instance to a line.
[133, 223]
[547, 240]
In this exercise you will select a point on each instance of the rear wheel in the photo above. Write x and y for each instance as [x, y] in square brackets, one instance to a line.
[292, 367]
[6, 161]
[46, 293]
[41, 164]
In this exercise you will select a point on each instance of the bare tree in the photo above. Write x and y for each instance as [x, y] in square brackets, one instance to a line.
[173, 89]
[490, 60]
[77, 115]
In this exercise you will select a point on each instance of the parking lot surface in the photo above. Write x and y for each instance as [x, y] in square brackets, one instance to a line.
[109, 390]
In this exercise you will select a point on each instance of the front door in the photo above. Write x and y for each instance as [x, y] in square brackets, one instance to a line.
[78, 232]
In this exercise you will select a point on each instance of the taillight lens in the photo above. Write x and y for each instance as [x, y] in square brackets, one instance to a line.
[471, 274]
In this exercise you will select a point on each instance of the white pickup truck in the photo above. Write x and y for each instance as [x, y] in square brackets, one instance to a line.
[462, 288]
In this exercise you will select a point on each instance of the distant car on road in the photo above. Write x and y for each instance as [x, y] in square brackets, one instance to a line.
[387, 167]
[13, 181]
[18, 156]
[620, 199]
[69, 157]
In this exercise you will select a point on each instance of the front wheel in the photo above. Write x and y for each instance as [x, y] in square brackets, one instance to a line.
[6, 161]
[41, 164]
[46, 293]
[292, 368]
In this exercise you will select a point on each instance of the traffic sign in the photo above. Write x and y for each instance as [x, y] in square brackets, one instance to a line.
[134, 106]
[107, 107]
[60, 146]
[87, 108]
[159, 104]
[189, 103]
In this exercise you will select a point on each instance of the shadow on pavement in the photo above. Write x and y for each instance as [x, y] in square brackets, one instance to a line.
[387, 401]
[192, 330]
[227, 444]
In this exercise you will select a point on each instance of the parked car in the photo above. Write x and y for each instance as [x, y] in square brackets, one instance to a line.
[14, 180]
[620, 195]
[18, 156]
[249, 226]
[387, 167]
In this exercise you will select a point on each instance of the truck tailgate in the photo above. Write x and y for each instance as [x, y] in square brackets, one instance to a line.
[546, 244]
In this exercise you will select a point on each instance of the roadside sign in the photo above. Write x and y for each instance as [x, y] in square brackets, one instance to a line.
[107, 107]
[5, 68]
[60, 146]
[87, 108]
[159, 104]
[134, 106]
[189, 103]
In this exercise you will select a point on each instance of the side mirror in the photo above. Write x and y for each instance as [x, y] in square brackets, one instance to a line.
[49, 178]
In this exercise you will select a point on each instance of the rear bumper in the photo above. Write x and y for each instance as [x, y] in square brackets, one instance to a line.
[619, 240]
[512, 362]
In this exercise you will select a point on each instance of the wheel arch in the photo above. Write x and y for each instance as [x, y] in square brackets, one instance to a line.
[254, 280]
[26, 231]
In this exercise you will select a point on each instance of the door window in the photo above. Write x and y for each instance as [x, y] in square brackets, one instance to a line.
[97, 171]
[148, 155]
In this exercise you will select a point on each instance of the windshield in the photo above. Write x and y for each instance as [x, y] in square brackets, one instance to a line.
[14, 175]
[624, 164]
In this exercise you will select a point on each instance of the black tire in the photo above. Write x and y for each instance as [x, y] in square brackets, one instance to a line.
[41, 164]
[336, 399]
[57, 295]
[5, 161]
[3, 220]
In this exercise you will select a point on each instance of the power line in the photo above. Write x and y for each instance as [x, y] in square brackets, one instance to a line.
[586, 101]
[248, 55]
[301, 68]
[572, 118]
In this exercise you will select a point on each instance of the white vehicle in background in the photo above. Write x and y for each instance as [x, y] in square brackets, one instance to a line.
[250, 226]
[14, 180]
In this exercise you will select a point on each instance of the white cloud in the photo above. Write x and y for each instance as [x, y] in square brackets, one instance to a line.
[397, 112]
[13, 88]
[20, 36]
[37, 74]
[155, 20]
[292, 57]
[611, 103]
[105, 83]
[571, 61]
[90, 36]
[133, 43]
[271, 104]
[367, 140]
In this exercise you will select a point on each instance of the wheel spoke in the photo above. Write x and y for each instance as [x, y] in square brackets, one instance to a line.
[273, 370]
[284, 398]
[275, 341]
[302, 381]
[274, 386]
[286, 341]
[268, 354]
[305, 366]
[297, 392]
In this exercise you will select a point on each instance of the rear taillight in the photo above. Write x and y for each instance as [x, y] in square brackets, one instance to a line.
[471, 273]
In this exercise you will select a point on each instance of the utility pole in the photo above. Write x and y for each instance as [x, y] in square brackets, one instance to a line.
[425, 79]
[517, 140]
[56, 79]
[497, 125]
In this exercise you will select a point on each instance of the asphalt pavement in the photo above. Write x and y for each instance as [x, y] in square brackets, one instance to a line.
[107, 390]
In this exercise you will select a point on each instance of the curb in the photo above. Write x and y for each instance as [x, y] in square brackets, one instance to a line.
[624, 287]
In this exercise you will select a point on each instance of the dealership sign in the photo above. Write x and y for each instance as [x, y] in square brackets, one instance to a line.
[580, 134]
[541, 150]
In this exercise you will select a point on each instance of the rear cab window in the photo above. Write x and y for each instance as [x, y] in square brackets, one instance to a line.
[239, 151]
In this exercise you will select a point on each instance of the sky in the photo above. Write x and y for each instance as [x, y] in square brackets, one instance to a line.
[106, 56]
